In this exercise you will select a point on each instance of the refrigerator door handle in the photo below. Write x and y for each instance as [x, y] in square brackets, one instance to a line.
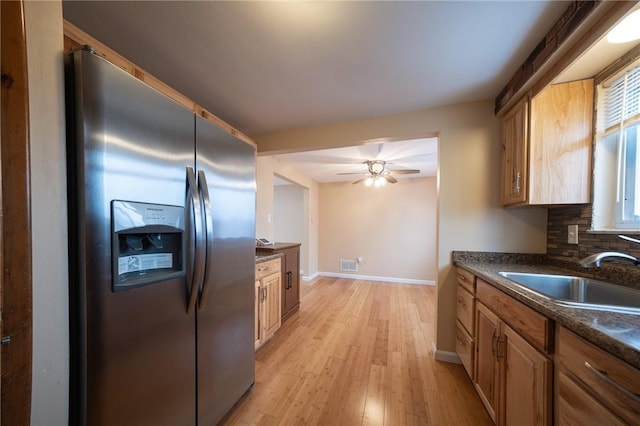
[208, 226]
[193, 199]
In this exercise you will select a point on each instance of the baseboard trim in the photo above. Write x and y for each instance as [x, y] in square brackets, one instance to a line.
[310, 277]
[446, 356]
[374, 278]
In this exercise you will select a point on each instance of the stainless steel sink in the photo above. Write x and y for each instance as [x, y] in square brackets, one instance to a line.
[578, 291]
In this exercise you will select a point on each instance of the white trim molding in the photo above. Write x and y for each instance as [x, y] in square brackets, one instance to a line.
[310, 277]
[446, 356]
[370, 278]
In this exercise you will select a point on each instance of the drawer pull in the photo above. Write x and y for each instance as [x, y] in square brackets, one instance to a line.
[605, 377]
[462, 277]
[264, 268]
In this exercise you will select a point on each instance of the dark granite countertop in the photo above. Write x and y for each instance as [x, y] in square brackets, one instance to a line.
[276, 246]
[617, 333]
[266, 257]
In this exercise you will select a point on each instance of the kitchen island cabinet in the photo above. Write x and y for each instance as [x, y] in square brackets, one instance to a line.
[267, 299]
[290, 299]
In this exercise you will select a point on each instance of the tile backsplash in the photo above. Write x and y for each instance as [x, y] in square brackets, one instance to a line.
[559, 218]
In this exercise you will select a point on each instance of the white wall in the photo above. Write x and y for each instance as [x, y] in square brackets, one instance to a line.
[393, 229]
[50, 386]
[469, 213]
[266, 168]
[289, 212]
[291, 217]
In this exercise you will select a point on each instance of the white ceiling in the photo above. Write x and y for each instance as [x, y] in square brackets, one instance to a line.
[266, 66]
[324, 165]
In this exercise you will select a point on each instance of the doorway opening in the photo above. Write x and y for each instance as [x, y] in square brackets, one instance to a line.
[291, 216]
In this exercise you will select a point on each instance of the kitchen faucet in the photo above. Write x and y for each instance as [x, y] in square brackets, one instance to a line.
[594, 260]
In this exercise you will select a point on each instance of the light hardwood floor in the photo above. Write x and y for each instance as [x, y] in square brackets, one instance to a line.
[358, 353]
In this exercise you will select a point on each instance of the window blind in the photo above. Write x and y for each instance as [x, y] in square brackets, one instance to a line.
[621, 99]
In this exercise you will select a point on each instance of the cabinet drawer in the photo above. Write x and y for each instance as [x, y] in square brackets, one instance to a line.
[534, 327]
[466, 279]
[267, 268]
[606, 377]
[465, 308]
[577, 407]
[465, 349]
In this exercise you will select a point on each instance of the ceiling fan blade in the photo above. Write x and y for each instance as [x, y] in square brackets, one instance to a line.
[347, 173]
[390, 179]
[358, 181]
[412, 158]
[403, 172]
[311, 157]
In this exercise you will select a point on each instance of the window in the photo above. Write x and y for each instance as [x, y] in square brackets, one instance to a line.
[617, 154]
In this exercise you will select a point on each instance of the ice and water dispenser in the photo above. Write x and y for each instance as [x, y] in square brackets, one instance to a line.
[147, 243]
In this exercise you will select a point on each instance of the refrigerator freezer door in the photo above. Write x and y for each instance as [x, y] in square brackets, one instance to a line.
[133, 351]
[226, 322]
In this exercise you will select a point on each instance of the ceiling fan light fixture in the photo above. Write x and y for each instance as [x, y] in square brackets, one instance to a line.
[379, 181]
[376, 167]
[368, 181]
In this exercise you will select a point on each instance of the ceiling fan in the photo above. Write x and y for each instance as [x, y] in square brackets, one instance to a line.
[378, 175]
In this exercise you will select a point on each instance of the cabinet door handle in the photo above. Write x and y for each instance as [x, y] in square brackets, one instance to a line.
[500, 348]
[602, 374]
[518, 182]
[289, 280]
[494, 344]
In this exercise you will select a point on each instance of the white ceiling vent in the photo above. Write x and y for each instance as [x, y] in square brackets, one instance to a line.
[348, 265]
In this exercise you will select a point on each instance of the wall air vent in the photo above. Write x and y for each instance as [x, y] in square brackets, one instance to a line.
[348, 265]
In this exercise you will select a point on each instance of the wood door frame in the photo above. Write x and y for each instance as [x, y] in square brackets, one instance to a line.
[15, 222]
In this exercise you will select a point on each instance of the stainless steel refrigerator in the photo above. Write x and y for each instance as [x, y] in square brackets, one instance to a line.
[162, 228]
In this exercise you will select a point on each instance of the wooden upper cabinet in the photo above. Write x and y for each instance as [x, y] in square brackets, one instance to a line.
[547, 145]
[515, 145]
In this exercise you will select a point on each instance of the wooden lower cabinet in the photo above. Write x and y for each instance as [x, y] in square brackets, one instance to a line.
[529, 371]
[267, 302]
[290, 298]
[527, 379]
[575, 406]
[512, 377]
[465, 323]
[291, 281]
[465, 349]
[487, 365]
[593, 386]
